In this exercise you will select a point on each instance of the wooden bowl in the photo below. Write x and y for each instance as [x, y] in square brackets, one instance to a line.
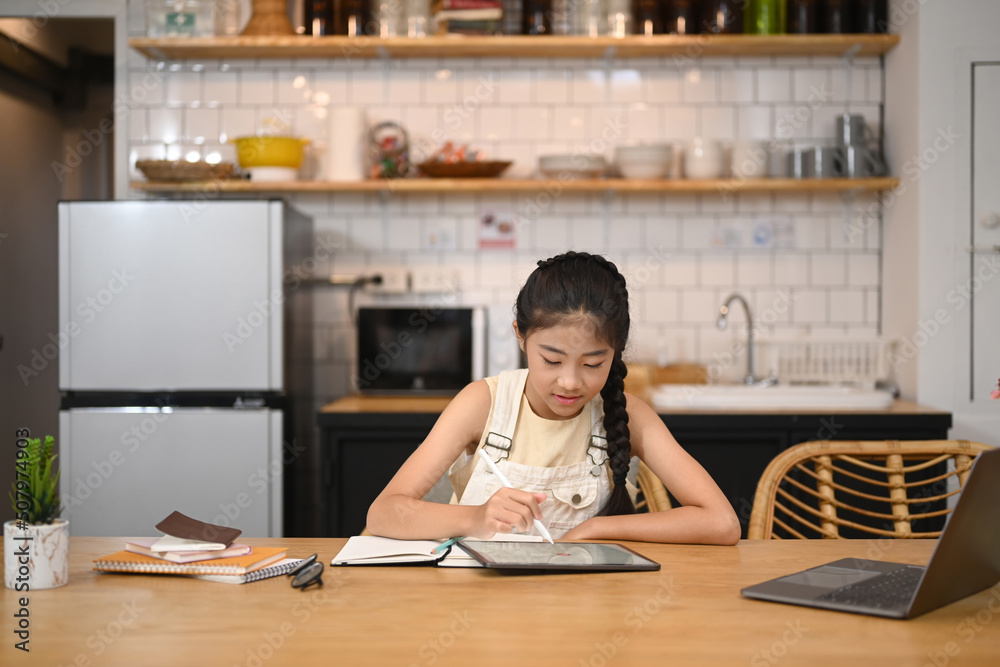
[479, 169]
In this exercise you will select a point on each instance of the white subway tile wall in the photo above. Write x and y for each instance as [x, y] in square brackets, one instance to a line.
[808, 263]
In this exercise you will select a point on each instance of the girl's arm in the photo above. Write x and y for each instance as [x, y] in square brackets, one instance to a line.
[400, 511]
[705, 515]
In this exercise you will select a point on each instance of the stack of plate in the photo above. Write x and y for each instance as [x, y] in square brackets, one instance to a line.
[572, 165]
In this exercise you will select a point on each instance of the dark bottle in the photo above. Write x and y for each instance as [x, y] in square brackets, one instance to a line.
[802, 17]
[682, 17]
[722, 17]
[648, 19]
[537, 17]
[319, 17]
[871, 16]
[350, 17]
[835, 17]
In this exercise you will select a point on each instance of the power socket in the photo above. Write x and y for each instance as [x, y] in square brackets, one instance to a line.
[394, 281]
[435, 280]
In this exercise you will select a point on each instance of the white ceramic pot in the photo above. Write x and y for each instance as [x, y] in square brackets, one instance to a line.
[703, 158]
[36, 556]
[750, 159]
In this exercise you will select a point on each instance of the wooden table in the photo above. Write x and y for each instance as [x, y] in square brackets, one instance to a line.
[688, 613]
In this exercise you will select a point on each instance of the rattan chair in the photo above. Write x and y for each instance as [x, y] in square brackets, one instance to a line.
[652, 496]
[860, 489]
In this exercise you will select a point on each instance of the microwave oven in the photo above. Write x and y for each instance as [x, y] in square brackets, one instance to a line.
[420, 349]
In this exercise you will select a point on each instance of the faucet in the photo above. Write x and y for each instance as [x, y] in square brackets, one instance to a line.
[721, 323]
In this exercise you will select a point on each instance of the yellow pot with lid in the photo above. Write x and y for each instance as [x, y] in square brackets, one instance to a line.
[270, 151]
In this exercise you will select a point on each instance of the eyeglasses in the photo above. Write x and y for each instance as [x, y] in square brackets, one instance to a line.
[307, 572]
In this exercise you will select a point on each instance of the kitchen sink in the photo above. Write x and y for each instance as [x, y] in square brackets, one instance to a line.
[775, 396]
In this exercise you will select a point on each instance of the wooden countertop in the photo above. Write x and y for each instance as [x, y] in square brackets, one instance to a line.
[355, 404]
[688, 613]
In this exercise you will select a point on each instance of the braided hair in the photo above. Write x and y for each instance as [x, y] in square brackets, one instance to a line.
[575, 284]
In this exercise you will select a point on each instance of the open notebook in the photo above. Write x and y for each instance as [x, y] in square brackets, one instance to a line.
[370, 550]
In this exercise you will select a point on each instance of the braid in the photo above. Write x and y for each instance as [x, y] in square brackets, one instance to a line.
[619, 445]
[579, 282]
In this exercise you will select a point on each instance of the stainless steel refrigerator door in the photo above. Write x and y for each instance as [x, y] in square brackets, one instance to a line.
[125, 469]
[170, 295]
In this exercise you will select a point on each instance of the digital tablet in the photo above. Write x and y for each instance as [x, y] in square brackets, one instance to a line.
[561, 556]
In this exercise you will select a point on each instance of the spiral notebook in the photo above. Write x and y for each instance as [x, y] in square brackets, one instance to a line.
[128, 562]
[282, 567]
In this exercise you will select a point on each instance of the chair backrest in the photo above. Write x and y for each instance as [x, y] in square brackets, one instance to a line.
[652, 496]
[849, 488]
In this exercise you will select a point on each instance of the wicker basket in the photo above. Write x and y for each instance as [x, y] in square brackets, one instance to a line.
[180, 170]
[860, 362]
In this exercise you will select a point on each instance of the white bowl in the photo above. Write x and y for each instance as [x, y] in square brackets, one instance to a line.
[660, 152]
[574, 165]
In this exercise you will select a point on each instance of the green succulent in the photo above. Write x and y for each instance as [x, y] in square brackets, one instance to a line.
[35, 492]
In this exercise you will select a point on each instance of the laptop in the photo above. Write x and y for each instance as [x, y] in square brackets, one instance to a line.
[558, 557]
[966, 560]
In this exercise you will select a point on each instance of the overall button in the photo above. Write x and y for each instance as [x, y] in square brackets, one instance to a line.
[596, 471]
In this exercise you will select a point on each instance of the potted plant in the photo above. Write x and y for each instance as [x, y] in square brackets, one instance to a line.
[36, 542]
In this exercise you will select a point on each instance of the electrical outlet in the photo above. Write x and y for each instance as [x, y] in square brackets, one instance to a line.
[394, 281]
[435, 280]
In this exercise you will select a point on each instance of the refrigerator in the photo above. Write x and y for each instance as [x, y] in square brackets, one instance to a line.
[185, 356]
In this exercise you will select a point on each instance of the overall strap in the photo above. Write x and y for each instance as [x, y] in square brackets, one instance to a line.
[597, 450]
[510, 388]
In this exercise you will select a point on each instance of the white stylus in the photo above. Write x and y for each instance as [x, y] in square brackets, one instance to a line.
[503, 480]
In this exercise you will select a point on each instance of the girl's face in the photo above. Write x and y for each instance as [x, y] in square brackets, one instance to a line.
[567, 366]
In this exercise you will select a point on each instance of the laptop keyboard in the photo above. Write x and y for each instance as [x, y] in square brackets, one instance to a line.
[892, 590]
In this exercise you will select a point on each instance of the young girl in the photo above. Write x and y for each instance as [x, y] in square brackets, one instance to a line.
[563, 432]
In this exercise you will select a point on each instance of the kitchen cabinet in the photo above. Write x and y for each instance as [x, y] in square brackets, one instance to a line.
[520, 46]
[365, 440]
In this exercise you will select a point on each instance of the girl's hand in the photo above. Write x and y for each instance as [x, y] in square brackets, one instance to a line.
[508, 509]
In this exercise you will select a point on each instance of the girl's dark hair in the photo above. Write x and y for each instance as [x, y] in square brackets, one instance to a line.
[578, 284]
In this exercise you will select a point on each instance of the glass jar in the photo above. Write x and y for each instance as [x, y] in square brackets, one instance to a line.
[537, 17]
[590, 18]
[722, 17]
[227, 18]
[764, 17]
[619, 18]
[388, 18]
[803, 17]
[418, 17]
[680, 17]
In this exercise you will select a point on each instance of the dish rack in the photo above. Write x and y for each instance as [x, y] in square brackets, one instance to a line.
[858, 362]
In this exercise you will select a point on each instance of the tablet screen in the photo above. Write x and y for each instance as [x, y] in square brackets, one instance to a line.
[565, 556]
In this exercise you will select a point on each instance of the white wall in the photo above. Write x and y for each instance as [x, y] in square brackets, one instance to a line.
[683, 254]
[925, 239]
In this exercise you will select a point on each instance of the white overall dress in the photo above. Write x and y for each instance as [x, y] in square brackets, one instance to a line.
[574, 493]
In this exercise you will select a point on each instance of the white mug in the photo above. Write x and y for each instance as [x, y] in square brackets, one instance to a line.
[703, 158]
[749, 159]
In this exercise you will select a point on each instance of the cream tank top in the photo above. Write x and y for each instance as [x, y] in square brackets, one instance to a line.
[565, 459]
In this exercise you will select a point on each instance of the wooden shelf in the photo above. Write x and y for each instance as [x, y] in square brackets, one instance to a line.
[439, 185]
[512, 46]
